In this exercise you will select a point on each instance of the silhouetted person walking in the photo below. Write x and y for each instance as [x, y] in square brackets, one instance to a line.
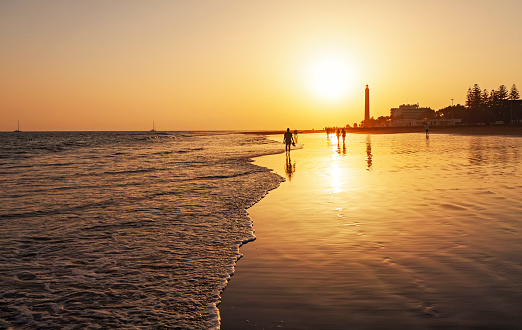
[295, 136]
[288, 140]
[343, 133]
[427, 128]
[338, 133]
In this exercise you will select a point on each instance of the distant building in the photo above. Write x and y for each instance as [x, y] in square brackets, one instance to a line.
[413, 115]
[409, 111]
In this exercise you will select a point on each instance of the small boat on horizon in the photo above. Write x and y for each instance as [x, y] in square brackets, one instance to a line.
[153, 127]
[18, 129]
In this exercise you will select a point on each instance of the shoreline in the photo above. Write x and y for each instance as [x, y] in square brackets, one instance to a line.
[503, 130]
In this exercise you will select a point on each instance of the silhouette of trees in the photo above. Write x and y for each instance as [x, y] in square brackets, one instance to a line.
[502, 92]
[474, 98]
[483, 107]
[381, 121]
[453, 112]
[475, 104]
[514, 94]
[515, 106]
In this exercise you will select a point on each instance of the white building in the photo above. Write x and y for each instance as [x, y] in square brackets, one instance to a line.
[413, 115]
[409, 111]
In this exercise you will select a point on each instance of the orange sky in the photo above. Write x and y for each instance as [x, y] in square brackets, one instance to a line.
[205, 65]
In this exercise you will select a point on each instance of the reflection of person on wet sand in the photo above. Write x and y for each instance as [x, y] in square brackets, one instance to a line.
[343, 151]
[289, 168]
[288, 140]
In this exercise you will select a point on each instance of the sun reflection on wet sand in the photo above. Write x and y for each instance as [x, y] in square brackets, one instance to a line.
[400, 231]
[335, 178]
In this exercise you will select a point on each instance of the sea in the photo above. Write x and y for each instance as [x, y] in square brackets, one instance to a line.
[124, 229]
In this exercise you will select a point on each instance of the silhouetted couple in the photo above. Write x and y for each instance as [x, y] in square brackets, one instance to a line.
[288, 140]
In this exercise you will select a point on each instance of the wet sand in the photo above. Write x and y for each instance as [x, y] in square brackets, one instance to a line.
[388, 232]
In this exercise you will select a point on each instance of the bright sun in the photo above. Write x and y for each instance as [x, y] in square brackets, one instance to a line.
[330, 78]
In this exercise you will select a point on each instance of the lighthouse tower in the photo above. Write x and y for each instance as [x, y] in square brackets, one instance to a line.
[367, 106]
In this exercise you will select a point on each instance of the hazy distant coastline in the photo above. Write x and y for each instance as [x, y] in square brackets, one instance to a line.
[465, 130]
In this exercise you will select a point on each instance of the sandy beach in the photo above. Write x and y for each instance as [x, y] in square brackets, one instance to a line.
[385, 232]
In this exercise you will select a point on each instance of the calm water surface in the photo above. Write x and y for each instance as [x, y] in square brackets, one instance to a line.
[386, 232]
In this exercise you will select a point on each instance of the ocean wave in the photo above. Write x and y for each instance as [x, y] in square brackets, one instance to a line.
[122, 231]
[141, 170]
[226, 176]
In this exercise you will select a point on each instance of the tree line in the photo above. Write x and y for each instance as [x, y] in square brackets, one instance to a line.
[487, 107]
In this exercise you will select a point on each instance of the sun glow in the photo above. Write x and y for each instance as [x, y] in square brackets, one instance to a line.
[330, 78]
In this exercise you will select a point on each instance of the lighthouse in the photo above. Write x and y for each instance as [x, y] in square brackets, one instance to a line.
[366, 106]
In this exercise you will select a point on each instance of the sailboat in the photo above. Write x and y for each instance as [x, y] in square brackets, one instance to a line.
[18, 129]
[153, 127]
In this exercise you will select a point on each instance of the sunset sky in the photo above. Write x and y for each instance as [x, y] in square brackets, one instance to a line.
[207, 65]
